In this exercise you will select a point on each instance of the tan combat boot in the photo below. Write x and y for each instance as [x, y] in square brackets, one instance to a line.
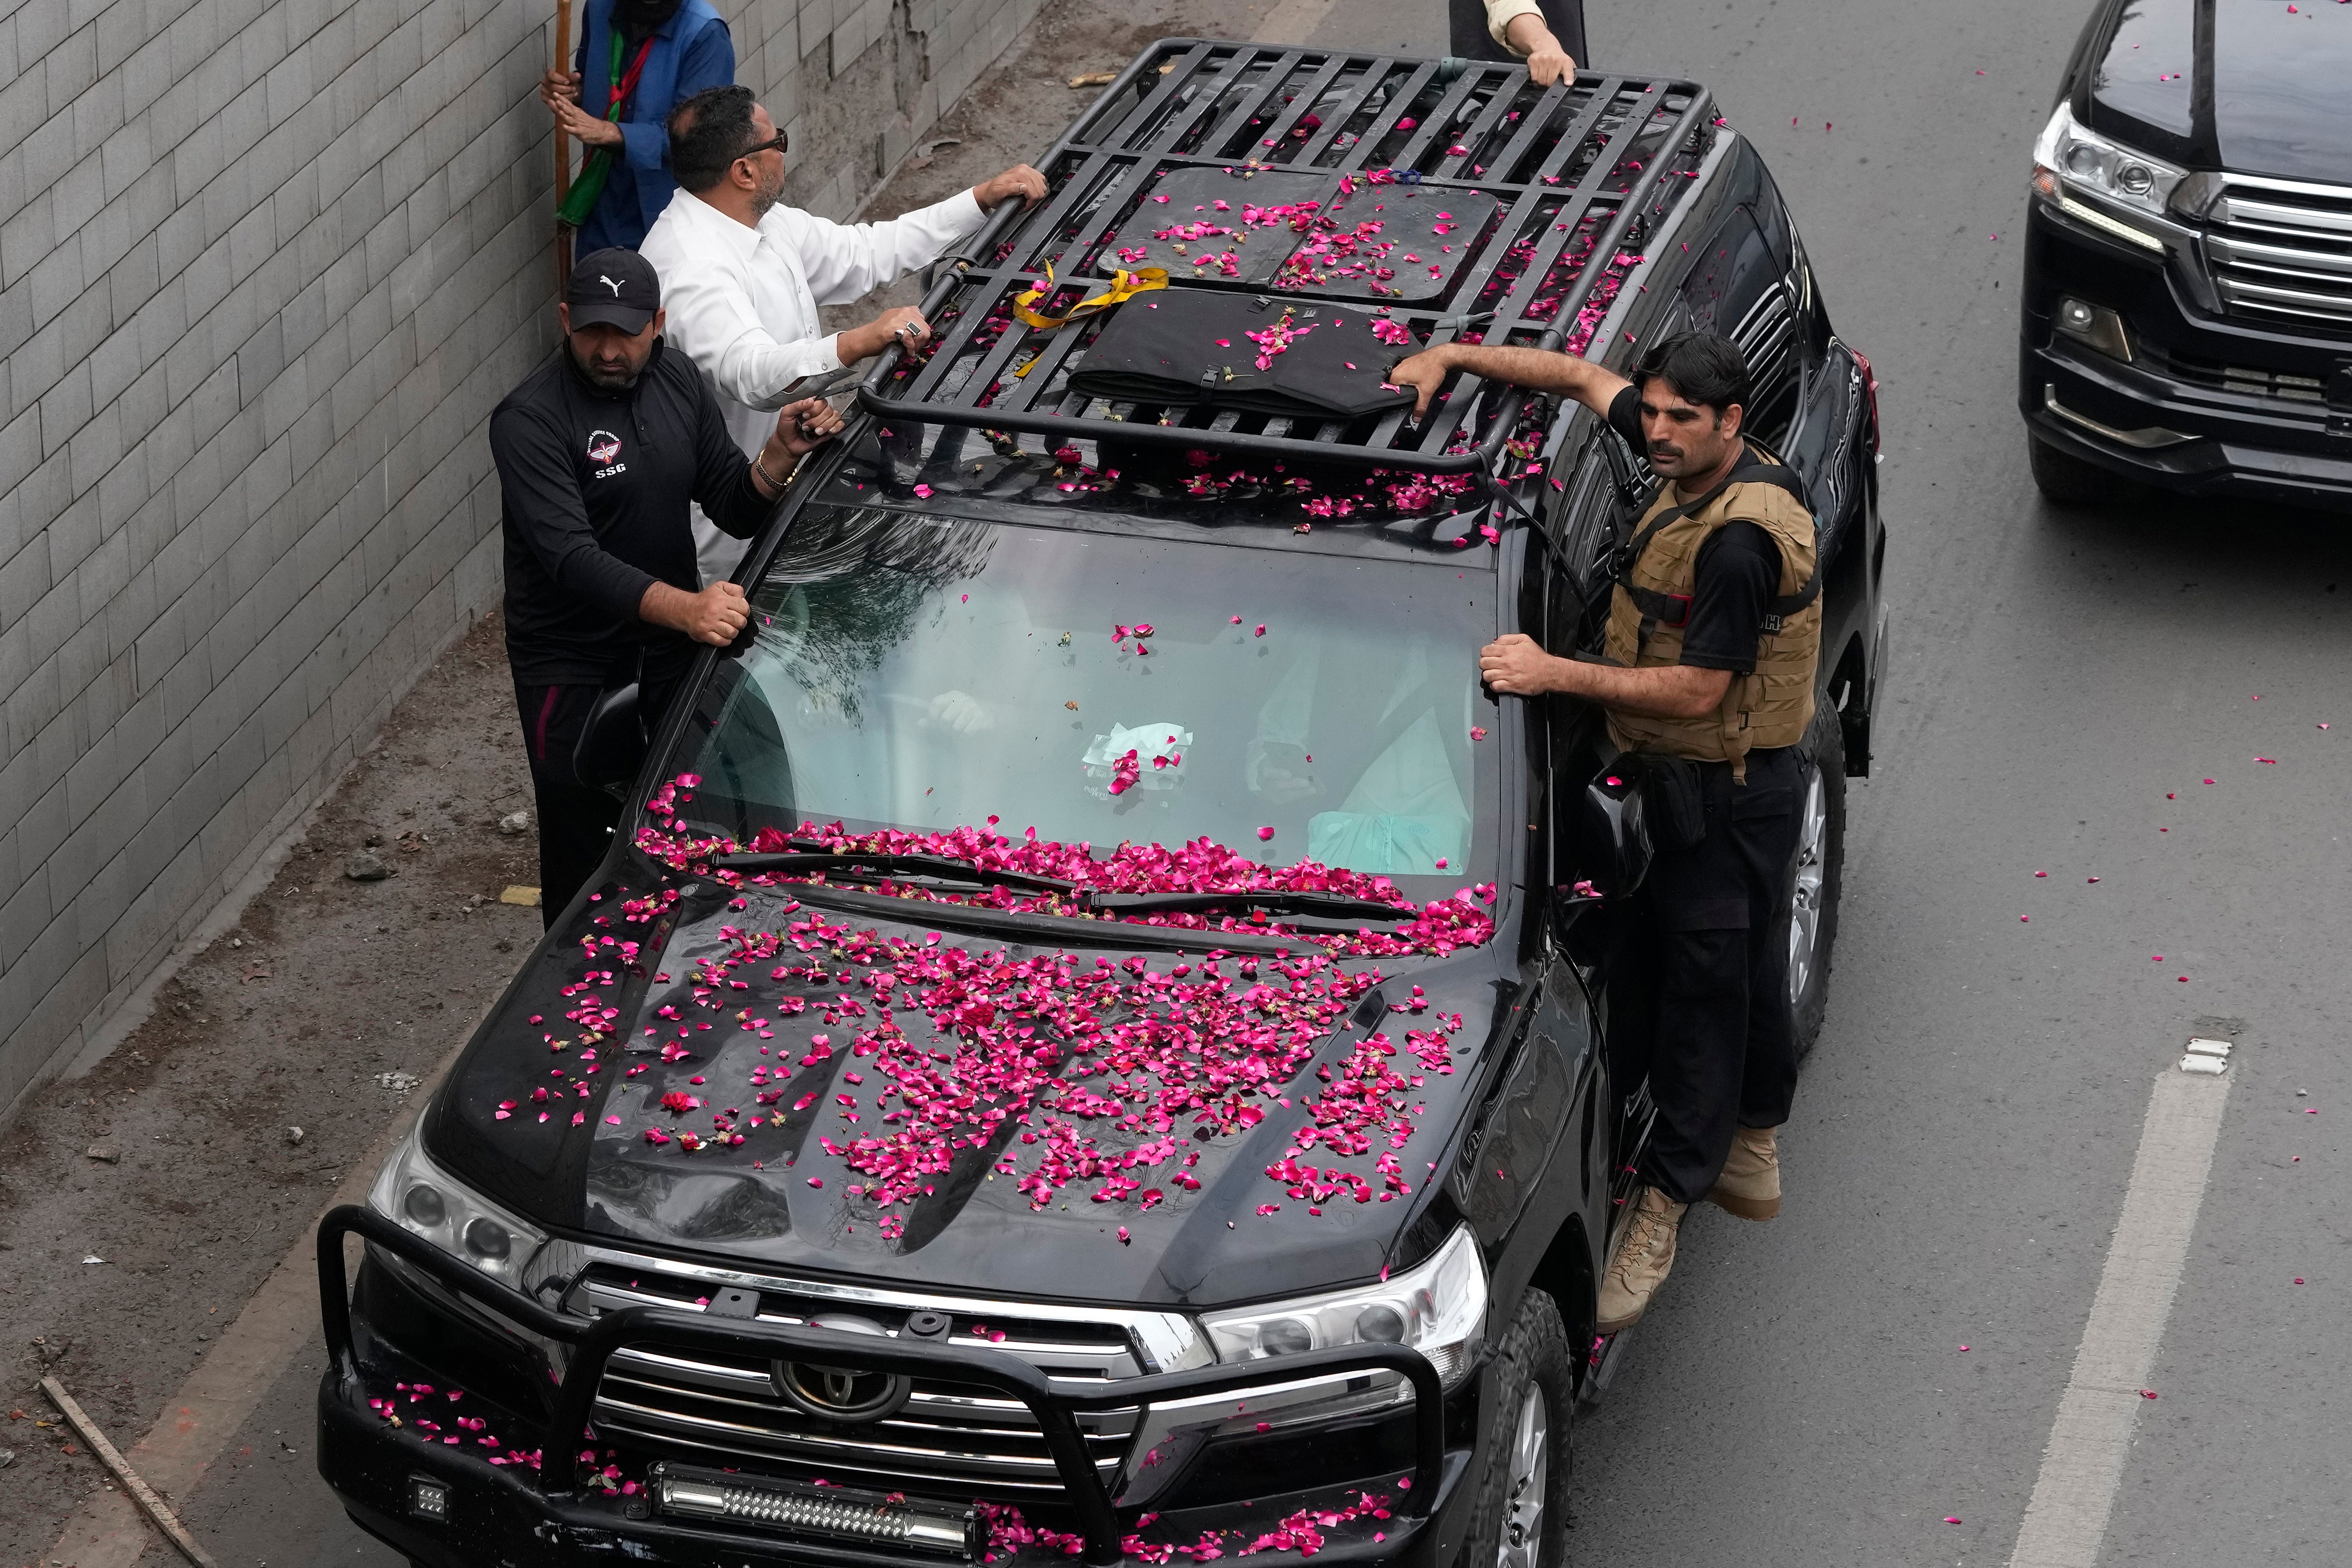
[1749, 1185]
[1641, 1261]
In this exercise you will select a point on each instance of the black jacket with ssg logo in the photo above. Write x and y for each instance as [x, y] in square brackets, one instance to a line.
[594, 488]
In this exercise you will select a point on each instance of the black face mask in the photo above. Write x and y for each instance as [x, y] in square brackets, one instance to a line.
[638, 17]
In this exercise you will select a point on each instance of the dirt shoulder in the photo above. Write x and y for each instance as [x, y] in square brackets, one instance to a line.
[175, 1161]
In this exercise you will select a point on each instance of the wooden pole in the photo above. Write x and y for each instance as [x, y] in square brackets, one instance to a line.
[155, 1508]
[562, 152]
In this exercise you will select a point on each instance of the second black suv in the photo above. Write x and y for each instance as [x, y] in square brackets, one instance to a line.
[2188, 301]
[1091, 1039]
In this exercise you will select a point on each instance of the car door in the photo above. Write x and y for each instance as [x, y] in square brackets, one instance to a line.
[1606, 488]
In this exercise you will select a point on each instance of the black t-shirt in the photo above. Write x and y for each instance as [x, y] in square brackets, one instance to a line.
[1736, 577]
[593, 489]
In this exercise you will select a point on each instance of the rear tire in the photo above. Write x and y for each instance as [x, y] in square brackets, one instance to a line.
[1521, 1517]
[2067, 480]
[1816, 873]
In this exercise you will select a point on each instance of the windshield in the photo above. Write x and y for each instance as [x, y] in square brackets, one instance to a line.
[928, 673]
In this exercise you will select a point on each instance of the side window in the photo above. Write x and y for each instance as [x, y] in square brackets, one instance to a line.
[1592, 514]
[1738, 287]
[1588, 516]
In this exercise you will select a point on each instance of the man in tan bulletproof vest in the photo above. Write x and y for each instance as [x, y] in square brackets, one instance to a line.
[1708, 674]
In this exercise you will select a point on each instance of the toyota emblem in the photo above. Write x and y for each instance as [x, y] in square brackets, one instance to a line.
[841, 1393]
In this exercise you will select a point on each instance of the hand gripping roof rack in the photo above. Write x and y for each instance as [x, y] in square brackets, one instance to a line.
[1580, 174]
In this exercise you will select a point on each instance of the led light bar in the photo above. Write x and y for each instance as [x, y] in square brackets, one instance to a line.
[838, 1513]
[2083, 213]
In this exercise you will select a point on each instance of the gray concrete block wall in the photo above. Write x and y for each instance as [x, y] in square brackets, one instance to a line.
[265, 267]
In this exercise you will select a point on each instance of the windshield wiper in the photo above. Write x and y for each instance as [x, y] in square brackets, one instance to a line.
[855, 864]
[1330, 906]
[1335, 906]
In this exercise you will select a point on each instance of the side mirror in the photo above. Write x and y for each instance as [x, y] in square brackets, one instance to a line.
[1613, 839]
[611, 745]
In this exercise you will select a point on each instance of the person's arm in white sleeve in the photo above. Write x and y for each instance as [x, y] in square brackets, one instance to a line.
[845, 261]
[1520, 26]
[712, 319]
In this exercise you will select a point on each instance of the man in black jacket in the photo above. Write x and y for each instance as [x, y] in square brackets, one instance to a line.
[598, 453]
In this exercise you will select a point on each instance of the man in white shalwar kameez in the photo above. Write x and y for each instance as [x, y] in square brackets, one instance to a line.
[742, 275]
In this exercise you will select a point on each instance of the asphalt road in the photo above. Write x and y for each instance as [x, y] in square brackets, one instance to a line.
[2063, 687]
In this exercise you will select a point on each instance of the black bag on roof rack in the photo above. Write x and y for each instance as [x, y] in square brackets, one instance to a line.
[1188, 347]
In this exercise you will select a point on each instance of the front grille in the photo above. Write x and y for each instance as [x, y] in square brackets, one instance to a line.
[2281, 250]
[2248, 381]
[951, 1440]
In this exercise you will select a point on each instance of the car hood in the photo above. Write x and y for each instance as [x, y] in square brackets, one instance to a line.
[2258, 91]
[785, 1142]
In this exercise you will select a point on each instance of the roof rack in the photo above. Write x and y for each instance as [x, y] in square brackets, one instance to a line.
[1578, 175]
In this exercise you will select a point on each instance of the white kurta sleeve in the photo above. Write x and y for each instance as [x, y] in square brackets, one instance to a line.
[843, 261]
[1501, 13]
[711, 314]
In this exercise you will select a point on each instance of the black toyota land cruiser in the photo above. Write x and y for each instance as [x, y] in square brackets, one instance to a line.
[2188, 301]
[1091, 1039]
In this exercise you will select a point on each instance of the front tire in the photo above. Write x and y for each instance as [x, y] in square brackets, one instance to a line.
[1522, 1506]
[1816, 875]
[2067, 480]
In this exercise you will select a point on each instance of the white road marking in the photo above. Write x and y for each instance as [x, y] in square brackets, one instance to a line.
[1292, 21]
[2083, 1465]
[251, 1354]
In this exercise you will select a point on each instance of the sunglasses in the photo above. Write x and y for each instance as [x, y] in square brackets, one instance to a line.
[780, 142]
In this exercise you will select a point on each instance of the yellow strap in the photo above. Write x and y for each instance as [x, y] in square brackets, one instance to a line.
[1124, 286]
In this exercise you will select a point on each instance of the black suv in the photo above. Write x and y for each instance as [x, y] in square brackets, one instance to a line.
[2188, 301]
[931, 1139]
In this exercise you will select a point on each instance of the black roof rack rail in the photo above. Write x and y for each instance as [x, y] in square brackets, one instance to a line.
[1580, 175]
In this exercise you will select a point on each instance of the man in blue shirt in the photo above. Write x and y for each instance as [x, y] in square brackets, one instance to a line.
[651, 54]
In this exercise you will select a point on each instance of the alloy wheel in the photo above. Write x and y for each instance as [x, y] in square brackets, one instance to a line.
[1805, 905]
[1523, 1524]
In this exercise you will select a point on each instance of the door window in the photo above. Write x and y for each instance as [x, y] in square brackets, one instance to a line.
[1736, 286]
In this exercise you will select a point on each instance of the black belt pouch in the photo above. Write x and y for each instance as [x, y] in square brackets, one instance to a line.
[1672, 801]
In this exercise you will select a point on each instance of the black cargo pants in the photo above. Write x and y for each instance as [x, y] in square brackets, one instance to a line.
[1699, 983]
[577, 819]
[1467, 36]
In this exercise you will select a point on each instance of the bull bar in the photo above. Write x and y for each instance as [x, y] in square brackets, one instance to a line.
[593, 1343]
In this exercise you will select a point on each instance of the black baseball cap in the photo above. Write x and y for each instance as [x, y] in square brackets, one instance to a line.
[615, 285]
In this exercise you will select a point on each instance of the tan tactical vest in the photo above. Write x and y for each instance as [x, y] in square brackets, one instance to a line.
[1771, 706]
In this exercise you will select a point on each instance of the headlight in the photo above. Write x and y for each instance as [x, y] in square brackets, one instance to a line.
[1438, 1308]
[419, 1196]
[2071, 163]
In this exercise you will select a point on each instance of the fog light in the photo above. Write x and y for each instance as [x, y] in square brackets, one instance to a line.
[2096, 326]
[428, 1499]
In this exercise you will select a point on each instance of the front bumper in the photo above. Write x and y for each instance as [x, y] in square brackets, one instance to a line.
[471, 1497]
[2192, 412]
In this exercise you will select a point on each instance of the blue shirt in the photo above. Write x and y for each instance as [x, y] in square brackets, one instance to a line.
[692, 51]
